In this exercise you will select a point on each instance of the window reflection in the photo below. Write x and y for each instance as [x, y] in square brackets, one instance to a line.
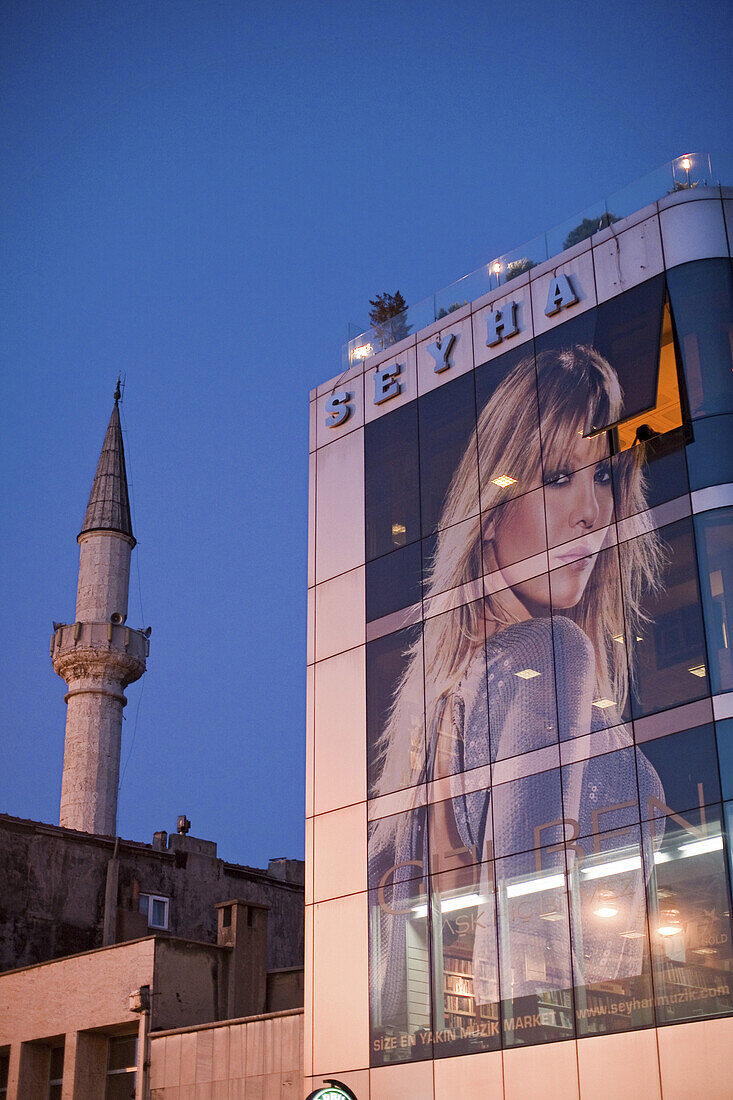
[447, 424]
[395, 660]
[528, 813]
[465, 962]
[628, 334]
[687, 767]
[689, 916]
[701, 298]
[709, 453]
[392, 482]
[393, 582]
[399, 972]
[715, 551]
[724, 738]
[534, 948]
[508, 427]
[591, 647]
[613, 988]
[663, 463]
[666, 645]
[457, 733]
[600, 795]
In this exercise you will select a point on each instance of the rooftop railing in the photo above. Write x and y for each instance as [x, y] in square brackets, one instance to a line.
[690, 170]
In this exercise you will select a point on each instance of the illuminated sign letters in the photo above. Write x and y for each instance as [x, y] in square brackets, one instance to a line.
[441, 351]
[560, 295]
[338, 409]
[501, 323]
[386, 384]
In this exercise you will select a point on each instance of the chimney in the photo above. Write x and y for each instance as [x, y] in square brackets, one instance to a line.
[242, 926]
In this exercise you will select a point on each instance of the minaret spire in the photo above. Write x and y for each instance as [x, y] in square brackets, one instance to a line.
[98, 655]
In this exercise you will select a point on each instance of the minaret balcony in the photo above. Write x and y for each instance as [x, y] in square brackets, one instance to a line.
[78, 646]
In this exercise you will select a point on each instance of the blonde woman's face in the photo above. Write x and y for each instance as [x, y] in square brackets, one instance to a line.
[578, 507]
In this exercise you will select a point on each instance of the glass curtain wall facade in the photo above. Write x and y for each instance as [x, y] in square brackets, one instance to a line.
[521, 686]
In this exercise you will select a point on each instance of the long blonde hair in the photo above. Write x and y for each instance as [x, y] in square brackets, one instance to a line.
[579, 390]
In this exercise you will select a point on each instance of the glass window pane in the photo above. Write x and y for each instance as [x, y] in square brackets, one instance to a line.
[600, 794]
[628, 337]
[689, 916]
[520, 668]
[395, 718]
[710, 453]
[527, 813]
[701, 298]
[158, 915]
[121, 1086]
[687, 769]
[392, 481]
[122, 1052]
[144, 903]
[399, 973]
[724, 737]
[534, 948]
[461, 828]
[508, 427]
[576, 388]
[448, 456]
[579, 507]
[664, 631]
[56, 1065]
[397, 849]
[452, 557]
[465, 962]
[590, 640]
[651, 474]
[393, 582]
[456, 708]
[514, 531]
[715, 551]
[613, 987]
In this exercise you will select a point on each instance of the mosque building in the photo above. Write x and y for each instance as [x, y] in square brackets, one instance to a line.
[125, 966]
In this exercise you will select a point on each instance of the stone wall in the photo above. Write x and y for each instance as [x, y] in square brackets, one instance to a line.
[246, 1059]
[54, 881]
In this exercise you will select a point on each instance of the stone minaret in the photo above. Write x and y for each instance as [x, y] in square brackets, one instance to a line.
[98, 655]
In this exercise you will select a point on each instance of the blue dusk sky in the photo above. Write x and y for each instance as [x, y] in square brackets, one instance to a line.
[202, 196]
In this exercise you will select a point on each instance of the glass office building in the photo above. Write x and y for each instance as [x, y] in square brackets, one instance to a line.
[520, 708]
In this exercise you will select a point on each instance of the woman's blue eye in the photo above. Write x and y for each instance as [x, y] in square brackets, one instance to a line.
[603, 474]
[562, 477]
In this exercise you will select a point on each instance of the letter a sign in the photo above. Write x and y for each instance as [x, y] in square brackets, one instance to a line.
[560, 295]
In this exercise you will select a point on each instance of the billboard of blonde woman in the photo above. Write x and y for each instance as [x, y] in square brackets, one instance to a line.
[508, 898]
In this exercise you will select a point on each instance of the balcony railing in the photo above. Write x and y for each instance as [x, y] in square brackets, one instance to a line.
[690, 170]
[69, 636]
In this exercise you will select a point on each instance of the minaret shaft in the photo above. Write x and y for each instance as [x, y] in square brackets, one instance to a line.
[98, 655]
[104, 576]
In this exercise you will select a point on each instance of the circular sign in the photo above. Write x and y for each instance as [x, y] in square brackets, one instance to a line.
[332, 1090]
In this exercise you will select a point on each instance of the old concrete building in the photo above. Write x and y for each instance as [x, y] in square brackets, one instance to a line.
[65, 892]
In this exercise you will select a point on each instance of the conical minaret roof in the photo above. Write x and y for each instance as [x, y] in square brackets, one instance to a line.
[109, 503]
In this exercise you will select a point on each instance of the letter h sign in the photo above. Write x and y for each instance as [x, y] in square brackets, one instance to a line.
[501, 323]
